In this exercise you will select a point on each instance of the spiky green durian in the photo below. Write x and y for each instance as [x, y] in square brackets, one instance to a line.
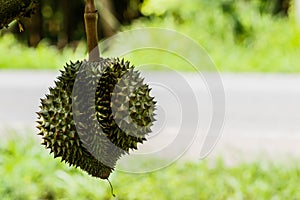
[96, 112]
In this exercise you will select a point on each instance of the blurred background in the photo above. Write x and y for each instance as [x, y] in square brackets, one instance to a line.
[240, 36]
[255, 45]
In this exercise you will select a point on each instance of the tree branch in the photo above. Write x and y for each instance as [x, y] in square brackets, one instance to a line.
[90, 19]
[14, 9]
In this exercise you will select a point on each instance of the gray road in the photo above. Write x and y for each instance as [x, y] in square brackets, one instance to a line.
[257, 106]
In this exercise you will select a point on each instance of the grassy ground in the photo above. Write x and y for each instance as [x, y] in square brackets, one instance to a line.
[28, 172]
[15, 55]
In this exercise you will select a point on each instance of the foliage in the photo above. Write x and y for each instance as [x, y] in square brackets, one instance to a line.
[236, 42]
[62, 22]
[252, 42]
[28, 172]
[15, 9]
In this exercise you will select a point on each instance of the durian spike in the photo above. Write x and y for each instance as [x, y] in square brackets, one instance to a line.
[90, 20]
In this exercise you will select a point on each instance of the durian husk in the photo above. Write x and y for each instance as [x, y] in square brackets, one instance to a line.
[96, 112]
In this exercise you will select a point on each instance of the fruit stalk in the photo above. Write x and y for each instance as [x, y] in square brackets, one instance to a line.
[90, 20]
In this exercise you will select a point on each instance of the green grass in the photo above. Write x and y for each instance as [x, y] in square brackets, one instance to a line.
[15, 55]
[28, 172]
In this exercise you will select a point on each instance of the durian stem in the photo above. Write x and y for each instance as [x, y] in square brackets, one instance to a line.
[111, 188]
[90, 20]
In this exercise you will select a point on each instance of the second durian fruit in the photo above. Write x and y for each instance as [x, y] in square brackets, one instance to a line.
[96, 112]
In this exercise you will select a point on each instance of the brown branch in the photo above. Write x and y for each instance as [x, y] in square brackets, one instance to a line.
[90, 19]
[15, 9]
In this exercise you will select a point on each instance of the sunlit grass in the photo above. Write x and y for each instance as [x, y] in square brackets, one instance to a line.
[15, 55]
[28, 172]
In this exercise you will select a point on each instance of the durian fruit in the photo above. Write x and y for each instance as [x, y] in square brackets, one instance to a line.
[96, 112]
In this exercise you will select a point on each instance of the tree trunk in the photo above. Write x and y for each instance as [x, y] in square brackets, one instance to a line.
[281, 7]
[107, 22]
